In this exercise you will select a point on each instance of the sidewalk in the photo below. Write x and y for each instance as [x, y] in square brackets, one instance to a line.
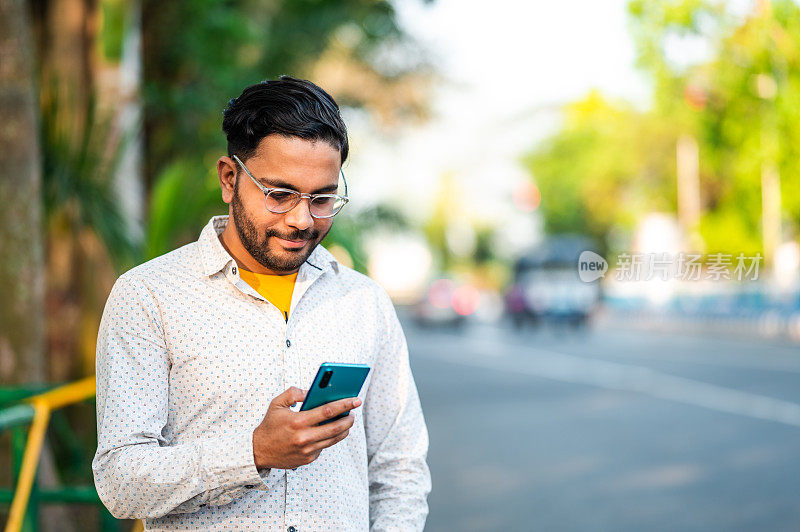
[769, 324]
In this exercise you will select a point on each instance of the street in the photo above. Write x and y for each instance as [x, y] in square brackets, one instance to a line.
[608, 429]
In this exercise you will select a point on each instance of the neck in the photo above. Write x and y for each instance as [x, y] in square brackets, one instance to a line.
[229, 238]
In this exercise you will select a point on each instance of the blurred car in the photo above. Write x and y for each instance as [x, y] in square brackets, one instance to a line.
[546, 286]
[446, 303]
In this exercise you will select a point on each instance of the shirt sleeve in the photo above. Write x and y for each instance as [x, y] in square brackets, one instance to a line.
[137, 472]
[397, 438]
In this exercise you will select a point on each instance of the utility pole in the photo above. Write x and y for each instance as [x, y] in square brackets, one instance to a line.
[770, 175]
[770, 210]
[688, 162]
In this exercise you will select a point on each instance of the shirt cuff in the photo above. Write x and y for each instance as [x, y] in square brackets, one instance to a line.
[231, 462]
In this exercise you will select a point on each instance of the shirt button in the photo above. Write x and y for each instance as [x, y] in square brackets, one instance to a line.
[288, 343]
[233, 270]
[250, 486]
[291, 529]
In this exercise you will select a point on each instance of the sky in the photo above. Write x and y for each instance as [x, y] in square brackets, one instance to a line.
[532, 53]
[507, 67]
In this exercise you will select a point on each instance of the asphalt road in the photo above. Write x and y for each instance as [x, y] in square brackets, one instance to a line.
[608, 430]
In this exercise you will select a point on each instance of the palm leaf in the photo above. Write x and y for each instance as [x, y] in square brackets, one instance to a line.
[78, 178]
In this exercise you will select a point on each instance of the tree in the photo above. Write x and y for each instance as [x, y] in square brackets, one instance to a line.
[739, 103]
[609, 164]
[65, 165]
[22, 254]
[198, 54]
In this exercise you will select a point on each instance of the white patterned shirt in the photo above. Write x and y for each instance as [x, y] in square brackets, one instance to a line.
[189, 357]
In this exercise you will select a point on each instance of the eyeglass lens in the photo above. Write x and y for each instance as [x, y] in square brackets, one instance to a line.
[279, 201]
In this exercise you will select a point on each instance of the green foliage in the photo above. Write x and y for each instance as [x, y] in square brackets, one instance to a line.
[77, 178]
[751, 119]
[610, 163]
[184, 192]
[198, 54]
[112, 36]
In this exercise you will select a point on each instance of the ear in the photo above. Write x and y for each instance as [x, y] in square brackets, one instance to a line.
[226, 170]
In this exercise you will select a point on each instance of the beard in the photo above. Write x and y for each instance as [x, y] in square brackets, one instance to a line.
[257, 245]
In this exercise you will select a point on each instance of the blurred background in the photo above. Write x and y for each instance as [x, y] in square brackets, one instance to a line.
[653, 383]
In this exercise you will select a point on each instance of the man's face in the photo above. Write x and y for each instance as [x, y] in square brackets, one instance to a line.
[282, 242]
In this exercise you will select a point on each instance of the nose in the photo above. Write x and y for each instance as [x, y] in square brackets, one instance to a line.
[300, 216]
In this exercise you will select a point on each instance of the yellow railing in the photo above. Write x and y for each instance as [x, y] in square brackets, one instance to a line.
[43, 404]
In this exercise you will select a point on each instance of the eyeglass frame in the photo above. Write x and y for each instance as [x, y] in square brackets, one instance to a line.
[311, 197]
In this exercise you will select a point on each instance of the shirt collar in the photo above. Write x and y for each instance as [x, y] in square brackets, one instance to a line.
[215, 257]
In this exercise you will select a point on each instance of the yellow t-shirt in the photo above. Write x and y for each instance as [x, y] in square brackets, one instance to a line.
[277, 289]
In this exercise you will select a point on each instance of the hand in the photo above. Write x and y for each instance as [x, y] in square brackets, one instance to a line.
[286, 439]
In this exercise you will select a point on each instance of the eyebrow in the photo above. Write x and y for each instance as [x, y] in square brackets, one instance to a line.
[276, 183]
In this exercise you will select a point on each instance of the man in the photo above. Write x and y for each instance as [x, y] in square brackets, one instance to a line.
[202, 353]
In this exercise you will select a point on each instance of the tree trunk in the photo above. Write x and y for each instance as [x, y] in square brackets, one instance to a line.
[21, 249]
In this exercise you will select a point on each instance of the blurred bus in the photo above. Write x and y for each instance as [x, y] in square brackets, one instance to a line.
[546, 288]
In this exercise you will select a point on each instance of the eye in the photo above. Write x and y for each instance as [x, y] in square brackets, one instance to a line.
[281, 195]
[323, 201]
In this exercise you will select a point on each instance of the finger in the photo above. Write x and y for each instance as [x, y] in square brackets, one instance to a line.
[333, 432]
[324, 444]
[332, 429]
[331, 410]
[289, 397]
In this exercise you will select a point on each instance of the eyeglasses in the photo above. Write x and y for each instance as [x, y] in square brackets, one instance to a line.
[281, 200]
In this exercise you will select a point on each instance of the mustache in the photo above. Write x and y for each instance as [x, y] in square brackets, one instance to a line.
[309, 234]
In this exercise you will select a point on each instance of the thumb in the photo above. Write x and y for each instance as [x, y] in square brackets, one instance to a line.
[288, 398]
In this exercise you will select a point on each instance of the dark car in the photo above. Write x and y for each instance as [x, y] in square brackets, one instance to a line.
[546, 286]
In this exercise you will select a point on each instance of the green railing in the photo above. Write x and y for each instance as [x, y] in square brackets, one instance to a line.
[20, 410]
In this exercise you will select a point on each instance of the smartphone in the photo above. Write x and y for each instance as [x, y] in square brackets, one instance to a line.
[334, 381]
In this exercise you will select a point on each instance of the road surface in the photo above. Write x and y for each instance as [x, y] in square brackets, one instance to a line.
[608, 430]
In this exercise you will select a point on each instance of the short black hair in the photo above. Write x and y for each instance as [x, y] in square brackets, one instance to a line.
[285, 106]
